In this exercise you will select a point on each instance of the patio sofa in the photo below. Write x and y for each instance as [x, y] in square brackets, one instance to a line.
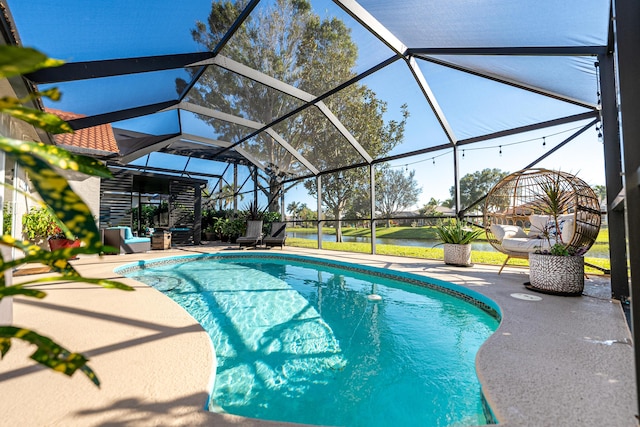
[124, 241]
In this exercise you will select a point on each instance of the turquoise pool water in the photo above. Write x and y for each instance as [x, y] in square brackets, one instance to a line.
[302, 341]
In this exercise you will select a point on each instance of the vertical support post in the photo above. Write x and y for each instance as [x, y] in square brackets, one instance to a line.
[6, 304]
[282, 216]
[197, 214]
[255, 186]
[627, 33]
[319, 193]
[372, 183]
[235, 189]
[613, 176]
[456, 179]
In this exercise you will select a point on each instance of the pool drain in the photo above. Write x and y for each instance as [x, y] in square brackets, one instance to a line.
[526, 297]
[374, 297]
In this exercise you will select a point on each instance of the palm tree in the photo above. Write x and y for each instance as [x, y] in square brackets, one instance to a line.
[294, 209]
[227, 195]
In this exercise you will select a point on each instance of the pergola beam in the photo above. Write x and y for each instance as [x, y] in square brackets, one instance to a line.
[73, 71]
[116, 116]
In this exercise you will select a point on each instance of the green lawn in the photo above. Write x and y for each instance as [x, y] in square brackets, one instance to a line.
[437, 253]
[426, 232]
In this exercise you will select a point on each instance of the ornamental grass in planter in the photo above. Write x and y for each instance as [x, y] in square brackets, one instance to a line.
[558, 270]
[457, 239]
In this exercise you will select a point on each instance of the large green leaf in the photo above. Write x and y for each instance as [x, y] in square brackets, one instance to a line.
[55, 191]
[6, 291]
[5, 346]
[34, 254]
[105, 283]
[16, 60]
[11, 101]
[55, 156]
[48, 352]
[47, 121]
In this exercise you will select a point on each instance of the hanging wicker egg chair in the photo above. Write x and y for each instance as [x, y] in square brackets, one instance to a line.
[513, 210]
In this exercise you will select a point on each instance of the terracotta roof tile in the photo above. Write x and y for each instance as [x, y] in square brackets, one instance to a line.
[94, 138]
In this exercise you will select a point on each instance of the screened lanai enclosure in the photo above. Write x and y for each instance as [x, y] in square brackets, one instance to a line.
[333, 105]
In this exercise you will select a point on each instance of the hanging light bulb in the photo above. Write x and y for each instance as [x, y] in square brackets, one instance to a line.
[434, 160]
[406, 168]
[500, 150]
[462, 153]
[544, 141]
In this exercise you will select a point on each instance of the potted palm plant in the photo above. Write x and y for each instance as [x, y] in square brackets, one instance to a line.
[457, 239]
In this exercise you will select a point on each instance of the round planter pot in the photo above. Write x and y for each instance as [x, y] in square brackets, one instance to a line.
[459, 255]
[55, 244]
[556, 275]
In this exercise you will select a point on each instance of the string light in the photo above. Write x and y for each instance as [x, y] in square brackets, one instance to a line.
[447, 152]
[596, 64]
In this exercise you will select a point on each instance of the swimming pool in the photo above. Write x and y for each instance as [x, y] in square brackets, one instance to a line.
[302, 339]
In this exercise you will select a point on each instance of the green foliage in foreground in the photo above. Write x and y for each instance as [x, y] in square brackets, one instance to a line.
[437, 253]
[43, 163]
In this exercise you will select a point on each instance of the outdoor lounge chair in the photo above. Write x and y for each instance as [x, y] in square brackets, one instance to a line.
[123, 240]
[253, 236]
[277, 236]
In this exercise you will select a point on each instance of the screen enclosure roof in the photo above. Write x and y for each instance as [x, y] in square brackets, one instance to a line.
[305, 88]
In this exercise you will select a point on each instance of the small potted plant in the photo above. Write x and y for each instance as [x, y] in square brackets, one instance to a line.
[41, 227]
[457, 239]
[37, 225]
[59, 240]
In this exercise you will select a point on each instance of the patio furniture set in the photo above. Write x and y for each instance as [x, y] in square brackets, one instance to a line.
[125, 242]
[254, 236]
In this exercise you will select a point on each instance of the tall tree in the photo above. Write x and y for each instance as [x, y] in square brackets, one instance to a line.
[474, 186]
[395, 191]
[292, 44]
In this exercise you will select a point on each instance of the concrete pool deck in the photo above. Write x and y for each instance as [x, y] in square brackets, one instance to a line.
[558, 361]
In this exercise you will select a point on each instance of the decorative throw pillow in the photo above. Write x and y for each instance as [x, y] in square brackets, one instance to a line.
[550, 228]
[506, 231]
[567, 230]
[538, 225]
